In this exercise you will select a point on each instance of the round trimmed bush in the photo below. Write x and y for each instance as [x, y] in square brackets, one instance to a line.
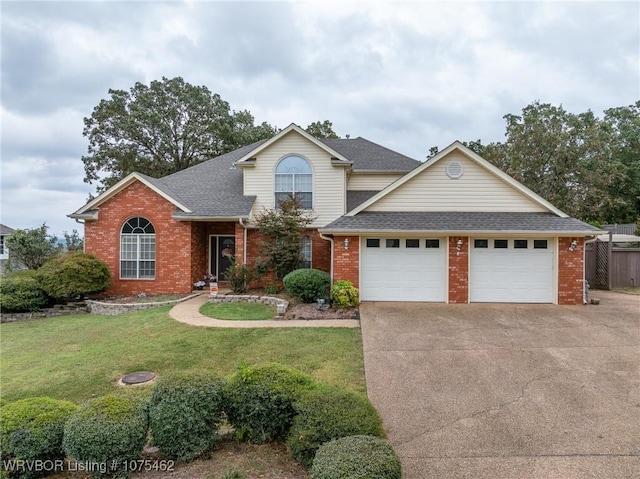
[259, 400]
[73, 275]
[329, 413]
[356, 457]
[344, 295]
[307, 284]
[32, 429]
[20, 291]
[108, 430]
[185, 413]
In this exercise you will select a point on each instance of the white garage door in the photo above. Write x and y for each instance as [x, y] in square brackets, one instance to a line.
[403, 269]
[511, 271]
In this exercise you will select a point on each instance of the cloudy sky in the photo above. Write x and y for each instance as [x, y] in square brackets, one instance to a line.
[407, 75]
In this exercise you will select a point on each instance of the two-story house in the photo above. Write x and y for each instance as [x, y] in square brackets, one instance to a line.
[452, 229]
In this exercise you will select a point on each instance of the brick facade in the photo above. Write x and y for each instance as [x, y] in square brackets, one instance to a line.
[174, 241]
[458, 270]
[346, 262]
[570, 271]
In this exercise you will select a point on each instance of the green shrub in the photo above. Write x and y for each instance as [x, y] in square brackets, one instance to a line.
[307, 284]
[356, 457]
[344, 294]
[329, 413]
[239, 276]
[259, 400]
[270, 289]
[74, 274]
[107, 431]
[32, 430]
[185, 413]
[20, 291]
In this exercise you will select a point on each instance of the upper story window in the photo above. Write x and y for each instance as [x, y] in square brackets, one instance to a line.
[138, 249]
[3, 250]
[294, 178]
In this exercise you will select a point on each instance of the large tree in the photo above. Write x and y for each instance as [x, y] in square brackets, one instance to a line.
[162, 128]
[321, 129]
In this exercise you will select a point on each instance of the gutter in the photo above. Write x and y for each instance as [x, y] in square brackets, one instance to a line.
[244, 241]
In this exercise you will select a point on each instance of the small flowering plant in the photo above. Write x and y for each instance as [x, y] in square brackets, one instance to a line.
[207, 278]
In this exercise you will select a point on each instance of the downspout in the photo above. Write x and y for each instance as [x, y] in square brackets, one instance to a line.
[244, 241]
[81, 222]
[330, 240]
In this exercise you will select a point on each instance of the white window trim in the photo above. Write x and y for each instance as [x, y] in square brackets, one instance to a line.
[294, 192]
[138, 237]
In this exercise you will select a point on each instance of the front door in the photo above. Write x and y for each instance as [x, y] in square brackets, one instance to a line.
[221, 252]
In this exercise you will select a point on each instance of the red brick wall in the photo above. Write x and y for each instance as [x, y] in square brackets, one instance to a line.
[346, 262]
[570, 271]
[458, 270]
[173, 241]
[320, 253]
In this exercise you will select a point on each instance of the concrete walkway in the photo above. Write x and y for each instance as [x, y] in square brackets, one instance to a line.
[188, 312]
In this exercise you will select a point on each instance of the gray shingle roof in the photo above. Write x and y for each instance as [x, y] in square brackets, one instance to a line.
[5, 230]
[367, 155]
[458, 221]
[214, 188]
[210, 189]
[356, 198]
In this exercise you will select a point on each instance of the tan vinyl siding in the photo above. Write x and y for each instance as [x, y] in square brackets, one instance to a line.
[371, 182]
[329, 190]
[476, 190]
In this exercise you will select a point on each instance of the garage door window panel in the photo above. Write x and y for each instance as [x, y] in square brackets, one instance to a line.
[373, 243]
[481, 243]
[520, 244]
[432, 243]
[500, 244]
[539, 244]
[393, 243]
[412, 243]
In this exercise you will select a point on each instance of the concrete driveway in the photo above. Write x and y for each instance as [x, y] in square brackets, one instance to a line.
[508, 391]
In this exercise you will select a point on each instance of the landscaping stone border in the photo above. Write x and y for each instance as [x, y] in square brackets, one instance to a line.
[79, 307]
[280, 304]
[111, 309]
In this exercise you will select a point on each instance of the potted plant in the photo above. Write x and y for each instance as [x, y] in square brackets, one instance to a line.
[207, 279]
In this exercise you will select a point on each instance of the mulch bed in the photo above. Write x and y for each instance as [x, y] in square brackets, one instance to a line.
[314, 311]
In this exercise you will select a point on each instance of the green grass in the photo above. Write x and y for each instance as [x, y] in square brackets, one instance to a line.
[238, 311]
[79, 357]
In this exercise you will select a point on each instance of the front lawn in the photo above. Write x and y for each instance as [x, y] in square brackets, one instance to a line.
[238, 311]
[79, 357]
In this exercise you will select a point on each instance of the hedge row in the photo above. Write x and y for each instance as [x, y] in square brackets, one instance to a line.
[263, 402]
[62, 277]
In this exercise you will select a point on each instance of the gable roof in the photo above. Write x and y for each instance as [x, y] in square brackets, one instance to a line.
[473, 157]
[89, 210]
[292, 128]
[214, 189]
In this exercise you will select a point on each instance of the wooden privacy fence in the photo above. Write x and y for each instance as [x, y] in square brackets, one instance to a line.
[608, 267]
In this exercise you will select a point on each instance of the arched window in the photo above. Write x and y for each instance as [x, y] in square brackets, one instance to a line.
[294, 178]
[138, 249]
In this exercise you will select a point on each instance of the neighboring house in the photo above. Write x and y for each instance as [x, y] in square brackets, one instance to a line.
[452, 229]
[5, 231]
